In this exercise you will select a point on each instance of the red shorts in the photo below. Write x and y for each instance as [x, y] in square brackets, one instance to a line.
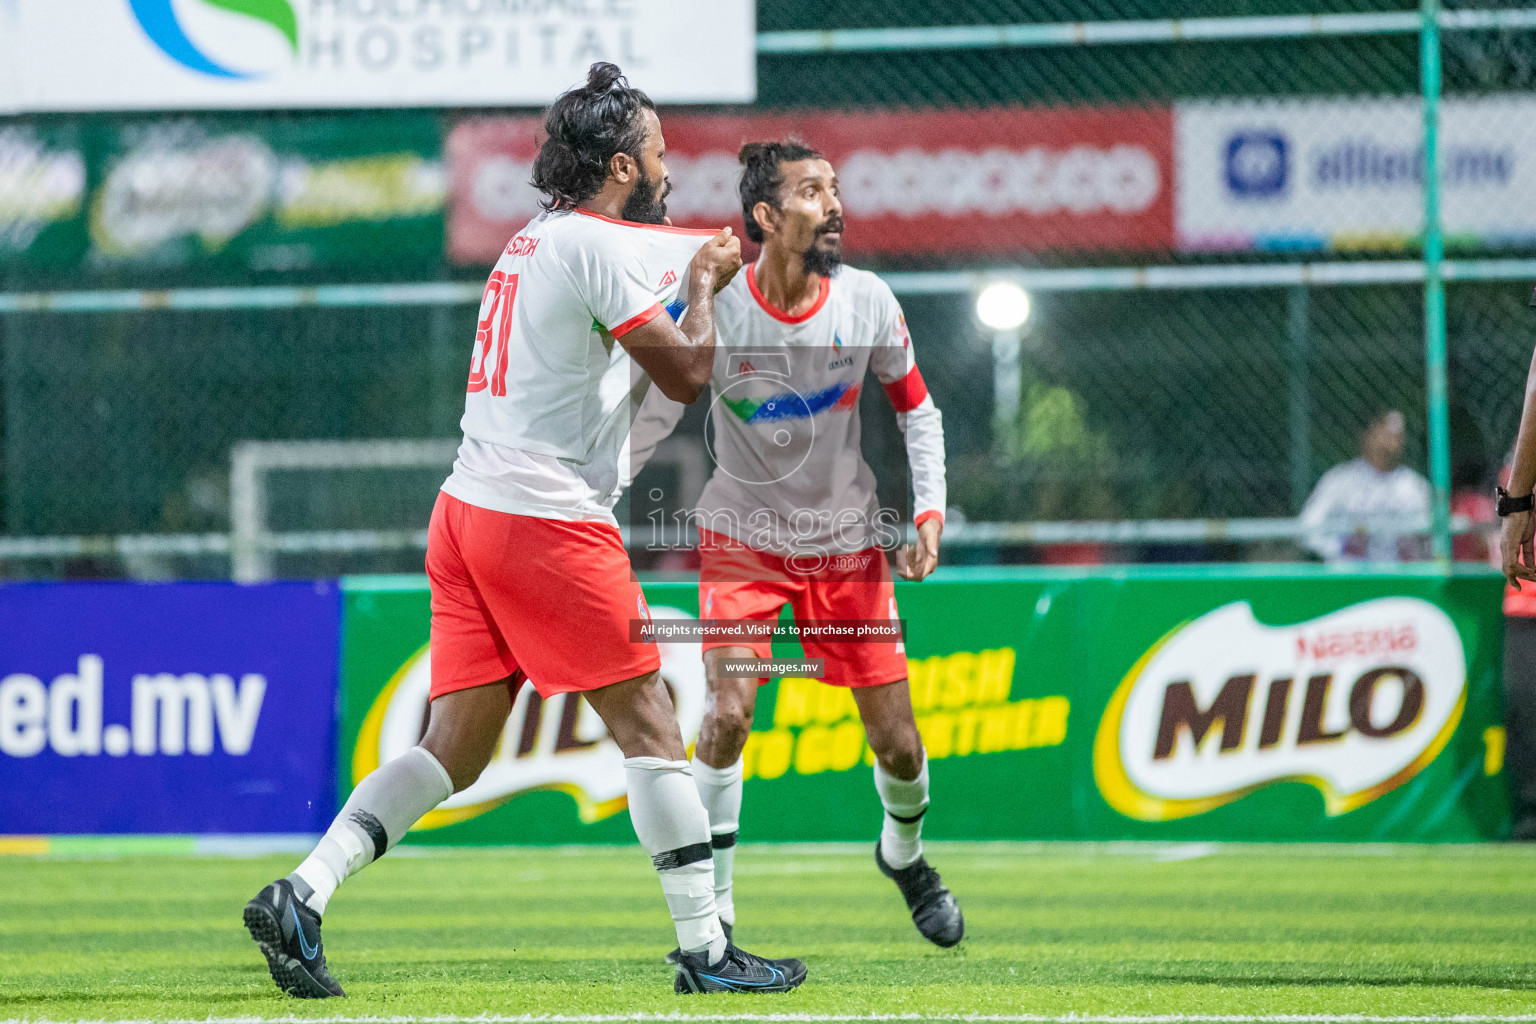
[738, 582]
[544, 599]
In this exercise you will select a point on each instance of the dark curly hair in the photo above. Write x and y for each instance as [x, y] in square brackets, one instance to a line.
[761, 177]
[583, 131]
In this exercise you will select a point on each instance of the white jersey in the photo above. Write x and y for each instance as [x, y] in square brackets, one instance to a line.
[551, 394]
[790, 477]
[1356, 512]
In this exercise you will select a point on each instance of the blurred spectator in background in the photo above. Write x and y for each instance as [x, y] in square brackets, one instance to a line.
[1373, 508]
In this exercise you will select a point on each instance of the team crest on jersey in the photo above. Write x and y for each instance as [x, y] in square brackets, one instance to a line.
[773, 364]
[838, 359]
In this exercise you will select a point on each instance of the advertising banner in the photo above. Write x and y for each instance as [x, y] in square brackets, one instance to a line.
[172, 708]
[997, 181]
[270, 194]
[42, 194]
[1159, 703]
[1349, 174]
[223, 54]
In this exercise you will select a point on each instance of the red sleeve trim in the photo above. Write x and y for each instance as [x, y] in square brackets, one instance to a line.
[637, 321]
[908, 393]
[923, 517]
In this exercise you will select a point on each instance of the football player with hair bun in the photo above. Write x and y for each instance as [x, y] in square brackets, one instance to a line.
[530, 580]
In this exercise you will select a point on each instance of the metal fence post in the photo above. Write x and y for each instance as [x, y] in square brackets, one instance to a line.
[250, 561]
[1434, 288]
[1007, 387]
[1298, 359]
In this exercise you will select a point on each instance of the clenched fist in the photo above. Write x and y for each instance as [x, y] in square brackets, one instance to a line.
[718, 259]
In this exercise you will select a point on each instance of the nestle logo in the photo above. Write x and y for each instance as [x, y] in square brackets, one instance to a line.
[1383, 642]
[1257, 164]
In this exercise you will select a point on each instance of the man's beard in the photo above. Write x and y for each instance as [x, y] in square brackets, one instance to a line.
[822, 260]
[646, 203]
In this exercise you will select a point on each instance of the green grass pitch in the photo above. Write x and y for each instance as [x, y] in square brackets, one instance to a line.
[1054, 930]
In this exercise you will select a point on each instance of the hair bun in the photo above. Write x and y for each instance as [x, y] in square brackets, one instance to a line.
[753, 151]
[602, 76]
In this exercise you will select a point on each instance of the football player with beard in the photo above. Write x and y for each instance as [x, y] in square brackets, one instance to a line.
[790, 516]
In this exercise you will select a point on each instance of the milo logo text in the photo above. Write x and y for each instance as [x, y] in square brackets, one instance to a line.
[1229, 712]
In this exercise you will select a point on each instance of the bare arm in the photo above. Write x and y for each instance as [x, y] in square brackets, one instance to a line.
[680, 357]
[1517, 528]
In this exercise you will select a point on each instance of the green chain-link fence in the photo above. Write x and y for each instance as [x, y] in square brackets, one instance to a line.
[1200, 402]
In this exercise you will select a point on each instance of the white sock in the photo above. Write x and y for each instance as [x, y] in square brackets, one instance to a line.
[674, 829]
[720, 792]
[901, 837]
[380, 810]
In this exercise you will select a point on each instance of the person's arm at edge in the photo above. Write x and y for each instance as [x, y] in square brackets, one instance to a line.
[1519, 556]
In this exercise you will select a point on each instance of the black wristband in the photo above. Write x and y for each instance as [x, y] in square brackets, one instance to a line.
[1508, 506]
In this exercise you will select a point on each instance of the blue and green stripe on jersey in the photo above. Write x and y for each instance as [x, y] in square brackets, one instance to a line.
[789, 405]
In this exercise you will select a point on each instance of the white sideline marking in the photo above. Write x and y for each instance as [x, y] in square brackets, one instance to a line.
[1187, 851]
[839, 1018]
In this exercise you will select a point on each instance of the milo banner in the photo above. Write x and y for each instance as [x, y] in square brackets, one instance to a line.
[1158, 703]
[270, 195]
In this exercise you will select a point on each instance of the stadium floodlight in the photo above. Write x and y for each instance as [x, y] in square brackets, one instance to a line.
[1002, 306]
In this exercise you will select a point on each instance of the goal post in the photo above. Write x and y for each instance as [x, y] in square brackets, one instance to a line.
[252, 543]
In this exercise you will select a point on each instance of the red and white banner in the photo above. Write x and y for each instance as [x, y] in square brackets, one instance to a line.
[999, 181]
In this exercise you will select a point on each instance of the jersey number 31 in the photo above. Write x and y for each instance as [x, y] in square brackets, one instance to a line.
[491, 335]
